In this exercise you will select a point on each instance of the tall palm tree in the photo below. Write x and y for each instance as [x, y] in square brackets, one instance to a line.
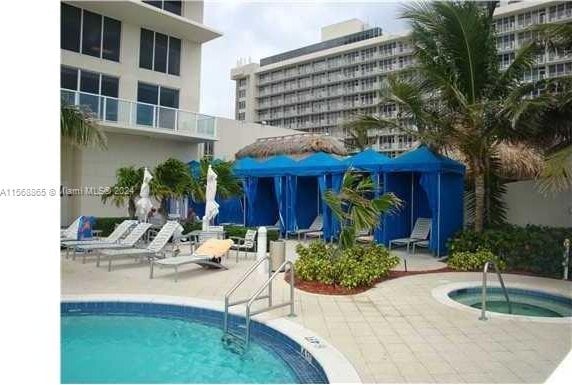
[79, 128]
[356, 208]
[457, 97]
[126, 188]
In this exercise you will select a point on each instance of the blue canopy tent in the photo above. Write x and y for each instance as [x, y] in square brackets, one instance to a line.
[372, 162]
[323, 172]
[430, 185]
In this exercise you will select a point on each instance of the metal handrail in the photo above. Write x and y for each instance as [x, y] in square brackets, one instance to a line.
[483, 316]
[227, 295]
[256, 295]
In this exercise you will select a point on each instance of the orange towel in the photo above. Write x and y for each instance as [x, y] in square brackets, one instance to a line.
[214, 247]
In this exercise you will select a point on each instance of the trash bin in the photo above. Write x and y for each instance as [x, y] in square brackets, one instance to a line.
[277, 253]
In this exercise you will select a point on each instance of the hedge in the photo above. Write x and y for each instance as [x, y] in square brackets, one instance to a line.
[533, 249]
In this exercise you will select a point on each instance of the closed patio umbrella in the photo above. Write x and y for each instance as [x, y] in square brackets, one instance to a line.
[144, 203]
[211, 207]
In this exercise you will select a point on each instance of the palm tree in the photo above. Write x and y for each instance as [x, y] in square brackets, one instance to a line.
[356, 208]
[457, 97]
[126, 187]
[78, 127]
[171, 179]
[228, 185]
[358, 132]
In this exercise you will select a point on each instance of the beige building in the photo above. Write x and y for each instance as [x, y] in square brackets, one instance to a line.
[136, 65]
[318, 87]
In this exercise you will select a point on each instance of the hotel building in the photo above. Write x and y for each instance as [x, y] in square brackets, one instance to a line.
[318, 87]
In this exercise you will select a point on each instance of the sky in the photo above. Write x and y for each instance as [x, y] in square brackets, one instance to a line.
[264, 28]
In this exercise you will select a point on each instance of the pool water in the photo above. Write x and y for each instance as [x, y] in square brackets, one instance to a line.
[138, 349]
[524, 302]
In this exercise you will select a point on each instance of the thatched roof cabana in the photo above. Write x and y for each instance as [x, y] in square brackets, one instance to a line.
[293, 145]
[517, 161]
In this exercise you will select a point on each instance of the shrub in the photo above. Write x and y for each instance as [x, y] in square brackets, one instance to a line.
[472, 261]
[357, 266]
[107, 225]
[233, 231]
[533, 249]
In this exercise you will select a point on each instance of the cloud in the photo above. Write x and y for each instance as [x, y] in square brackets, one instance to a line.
[261, 29]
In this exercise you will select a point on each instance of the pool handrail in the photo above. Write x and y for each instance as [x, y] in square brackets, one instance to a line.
[483, 316]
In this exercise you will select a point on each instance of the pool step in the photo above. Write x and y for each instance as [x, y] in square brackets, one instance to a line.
[234, 343]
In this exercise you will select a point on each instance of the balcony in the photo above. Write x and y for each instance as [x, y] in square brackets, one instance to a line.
[125, 116]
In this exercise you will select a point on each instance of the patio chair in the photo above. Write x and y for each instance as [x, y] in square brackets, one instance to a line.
[152, 250]
[70, 234]
[129, 241]
[364, 236]
[420, 232]
[246, 243]
[424, 244]
[315, 228]
[114, 237]
[209, 255]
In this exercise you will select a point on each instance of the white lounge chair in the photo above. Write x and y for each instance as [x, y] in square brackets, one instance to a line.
[153, 249]
[114, 237]
[246, 243]
[315, 228]
[129, 241]
[420, 232]
[364, 236]
[70, 234]
[209, 254]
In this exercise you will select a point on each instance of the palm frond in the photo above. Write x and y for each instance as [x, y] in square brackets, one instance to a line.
[557, 174]
[79, 128]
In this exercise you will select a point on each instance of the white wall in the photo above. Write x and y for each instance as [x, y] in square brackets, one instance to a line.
[525, 205]
[97, 168]
[234, 135]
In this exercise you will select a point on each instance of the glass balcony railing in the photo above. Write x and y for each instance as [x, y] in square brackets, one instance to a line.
[136, 114]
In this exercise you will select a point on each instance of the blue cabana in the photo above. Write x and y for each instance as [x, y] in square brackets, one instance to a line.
[327, 172]
[431, 186]
[372, 162]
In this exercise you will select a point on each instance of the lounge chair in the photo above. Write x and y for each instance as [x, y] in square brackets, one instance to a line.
[276, 226]
[209, 254]
[114, 237]
[420, 232]
[424, 244]
[315, 228]
[364, 237]
[129, 241]
[152, 250]
[246, 243]
[70, 234]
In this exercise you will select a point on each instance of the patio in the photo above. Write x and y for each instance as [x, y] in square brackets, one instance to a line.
[395, 332]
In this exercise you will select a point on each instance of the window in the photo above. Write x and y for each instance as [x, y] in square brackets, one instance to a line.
[159, 52]
[70, 27]
[89, 33]
[157, 105]
[208, 149]
[91, 86]
[175, 7]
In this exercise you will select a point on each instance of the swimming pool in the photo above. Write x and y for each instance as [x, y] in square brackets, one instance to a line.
[126, 342]
[530, 303]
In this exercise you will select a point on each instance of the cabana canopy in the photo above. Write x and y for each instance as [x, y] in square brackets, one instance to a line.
[369, 160]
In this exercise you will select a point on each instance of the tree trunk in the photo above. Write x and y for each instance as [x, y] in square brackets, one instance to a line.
[479, 200]
[131, 209]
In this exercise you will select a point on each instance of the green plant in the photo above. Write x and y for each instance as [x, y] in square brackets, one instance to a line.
[127, 187]
[357, 266]
[171, 179]
[533, 249]
[228, 185]
[234, 231]
[107, 225]
[79, 128]
[473, 261]
[355, 208]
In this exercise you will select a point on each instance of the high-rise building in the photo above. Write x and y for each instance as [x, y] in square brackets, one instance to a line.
[136, 65]
[318, 87]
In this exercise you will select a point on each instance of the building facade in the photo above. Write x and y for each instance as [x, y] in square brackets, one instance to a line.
[136, 65]
[319, 87]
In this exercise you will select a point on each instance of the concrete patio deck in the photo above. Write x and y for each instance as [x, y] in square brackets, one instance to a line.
[393, 333]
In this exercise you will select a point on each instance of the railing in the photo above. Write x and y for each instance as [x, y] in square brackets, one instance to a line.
[483, 316]
[137, 114]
